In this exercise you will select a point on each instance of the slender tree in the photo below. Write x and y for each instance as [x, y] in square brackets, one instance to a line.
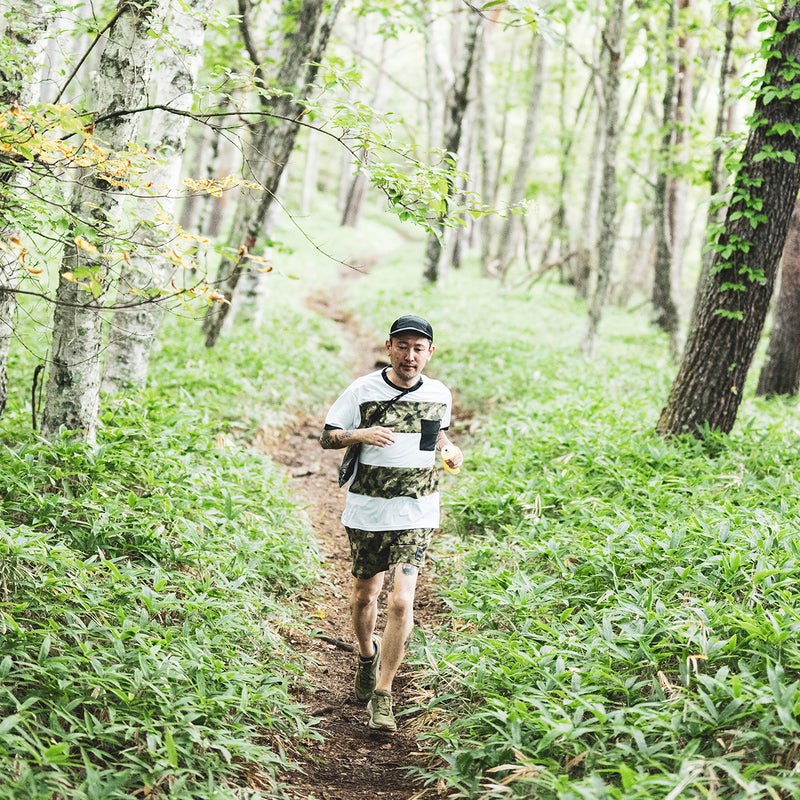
[780, 373]
[505, 248]
[73, 385]
[612, 53]
[708, 388]
[273, 139]
[456, 110]
[665, 312]
[718, 174]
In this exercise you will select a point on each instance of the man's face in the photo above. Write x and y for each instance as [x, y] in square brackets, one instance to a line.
[408, 354]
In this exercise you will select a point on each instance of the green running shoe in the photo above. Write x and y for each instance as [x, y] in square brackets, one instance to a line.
[380, 711]
[367, 672]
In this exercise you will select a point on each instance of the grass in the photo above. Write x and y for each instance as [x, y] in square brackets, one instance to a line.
[622, 610]
[145, 584]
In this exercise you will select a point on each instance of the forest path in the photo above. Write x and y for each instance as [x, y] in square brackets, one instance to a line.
[353, 762]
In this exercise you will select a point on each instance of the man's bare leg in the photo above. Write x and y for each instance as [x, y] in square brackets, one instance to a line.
[401, 586]
[364, 610]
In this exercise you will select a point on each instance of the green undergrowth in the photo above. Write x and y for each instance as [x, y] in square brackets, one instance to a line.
[145, 583]
[623, 610]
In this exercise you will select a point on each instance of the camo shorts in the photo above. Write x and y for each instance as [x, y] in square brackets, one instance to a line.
[376, 551]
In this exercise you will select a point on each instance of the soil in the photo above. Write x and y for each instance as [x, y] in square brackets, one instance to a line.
[353, 761]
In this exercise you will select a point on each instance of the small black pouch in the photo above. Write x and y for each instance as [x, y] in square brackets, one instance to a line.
[430, 433]
[349, 463]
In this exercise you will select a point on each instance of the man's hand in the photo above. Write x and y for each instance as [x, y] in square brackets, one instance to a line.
[377, 436]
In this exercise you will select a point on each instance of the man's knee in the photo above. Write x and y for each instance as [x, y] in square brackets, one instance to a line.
[365, 593]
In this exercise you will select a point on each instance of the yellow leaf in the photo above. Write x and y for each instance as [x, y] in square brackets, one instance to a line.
[68, 276]
[85, 245]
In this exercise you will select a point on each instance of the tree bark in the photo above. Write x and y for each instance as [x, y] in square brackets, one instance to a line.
[613, 45]
[708, 388]
[715, 214]
[456, 110]
[25, 35]
[73, 383]
[484, 145]
[272, 145]
[665, 312]
[510, 227]
[780, 373]
[147, 271]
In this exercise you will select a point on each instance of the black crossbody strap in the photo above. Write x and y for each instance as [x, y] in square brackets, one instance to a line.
[348, 466]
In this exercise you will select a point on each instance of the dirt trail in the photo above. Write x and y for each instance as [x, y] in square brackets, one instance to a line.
[353, 762]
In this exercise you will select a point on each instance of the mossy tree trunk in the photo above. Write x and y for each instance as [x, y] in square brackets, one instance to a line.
[707, 390]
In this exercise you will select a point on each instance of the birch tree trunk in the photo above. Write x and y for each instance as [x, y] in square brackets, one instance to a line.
[780, 373]
[613, 45]
[456, 111]
[134, 328]
[273, 142]
[73, 384]
[508, 233]
[25, 34]
[708, 388]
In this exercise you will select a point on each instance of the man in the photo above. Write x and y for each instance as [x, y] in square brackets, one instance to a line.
[393, 420]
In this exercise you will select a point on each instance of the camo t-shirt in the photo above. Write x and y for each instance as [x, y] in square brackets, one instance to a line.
[394, 487]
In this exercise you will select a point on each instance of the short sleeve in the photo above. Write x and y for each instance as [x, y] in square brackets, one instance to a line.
[344, 413]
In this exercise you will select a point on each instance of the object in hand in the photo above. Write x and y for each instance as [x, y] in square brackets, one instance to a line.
[449, 452]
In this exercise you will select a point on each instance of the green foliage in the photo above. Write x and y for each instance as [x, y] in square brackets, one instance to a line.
[144, 583]
[622, 610]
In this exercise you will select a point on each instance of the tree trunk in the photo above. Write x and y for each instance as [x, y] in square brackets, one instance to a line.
[25, 37]
[133, 329]
[272, 145]
[484, 145]
[665, 312]
[715, 214]
[456, 110]
[359, 184]
[74, 379]
[505, 250]
[613, 44]
[780, 373]
[708, 388]
[677, 190]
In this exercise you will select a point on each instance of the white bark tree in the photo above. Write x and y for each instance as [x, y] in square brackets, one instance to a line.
[73, 385]
[612, 53]
[24, 32]
[508, 234]
[148, 271]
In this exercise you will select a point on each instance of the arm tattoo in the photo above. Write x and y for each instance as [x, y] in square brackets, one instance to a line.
[335, 438]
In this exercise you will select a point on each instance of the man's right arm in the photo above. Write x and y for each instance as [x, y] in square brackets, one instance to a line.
[336, 438]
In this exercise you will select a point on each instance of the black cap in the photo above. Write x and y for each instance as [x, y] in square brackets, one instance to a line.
[411, 323]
